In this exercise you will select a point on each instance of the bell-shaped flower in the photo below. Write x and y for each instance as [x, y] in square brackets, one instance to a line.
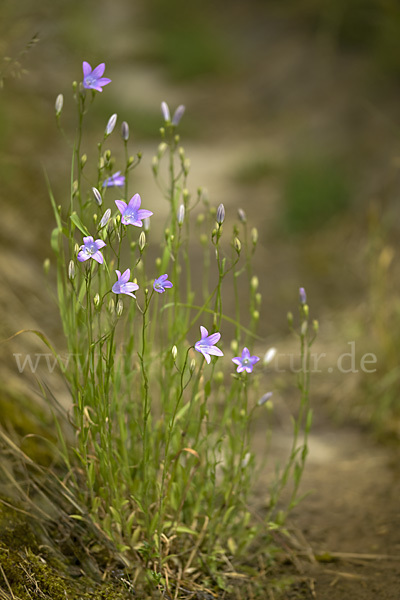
[206, 345]
[245, 362]
[161, 284]
[93, 78]
[91, 249]
[132, 214]
[123, 285]
[116, 180]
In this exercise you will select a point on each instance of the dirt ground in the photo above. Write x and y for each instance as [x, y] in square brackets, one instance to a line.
[349, 525]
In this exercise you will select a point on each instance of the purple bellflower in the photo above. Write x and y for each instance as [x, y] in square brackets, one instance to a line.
[161, 284]
[116, 180]
[91, 249]
[93, 78]
[123, 285]
[206, 345]
[131, 213]
[245, 362]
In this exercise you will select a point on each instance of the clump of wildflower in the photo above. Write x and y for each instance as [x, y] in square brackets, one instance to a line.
[132, 214]
[93, 78]
[161, 284]
[91, 249]
[116, 180]
[206, 345]
[245, 362]
[123, 285]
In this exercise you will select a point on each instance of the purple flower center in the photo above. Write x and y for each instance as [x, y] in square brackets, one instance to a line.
[130, 215]
[90, 248]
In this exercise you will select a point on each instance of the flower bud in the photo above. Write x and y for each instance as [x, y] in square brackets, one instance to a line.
[178, 115]
[107, 155]
[174, 352]
[46, 266]
[177, 139]
[254, 236]
[304, 327]
[246, 460]
[165, 112]
[96, 300]
[95, 218]
[264, 398]
[146, 224]
[306, 310]
[242, 216]
[290, 319]
[111, 306]
[142, 241]
[161, 150]
[302, 296]
[59, 104]
[269, 356]
[237, 245]
[76, 248]
[154, 165]
[83, 160]
[125, 131]
[97, 196]
[234, 346]
[181, 152]
[186, 166]
[185, 195]
[119, 308]
[254, 283]
[219, 377]
[220, 218]
[71, 270]
[315, 325]
[258, 299]
[75, 187]
[256, 315]
[192, 366]
[105, 218]
[131, 160]
[181, 214]
[110, 125]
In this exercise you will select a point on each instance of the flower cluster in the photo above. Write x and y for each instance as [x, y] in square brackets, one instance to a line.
[133, 214]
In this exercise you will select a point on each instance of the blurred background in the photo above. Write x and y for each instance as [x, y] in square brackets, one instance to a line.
[292, 114]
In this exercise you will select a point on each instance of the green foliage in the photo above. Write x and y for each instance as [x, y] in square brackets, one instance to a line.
[314, 191]
[188, 40]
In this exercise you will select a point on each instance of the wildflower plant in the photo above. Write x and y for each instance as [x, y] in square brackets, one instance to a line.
[159, 457]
